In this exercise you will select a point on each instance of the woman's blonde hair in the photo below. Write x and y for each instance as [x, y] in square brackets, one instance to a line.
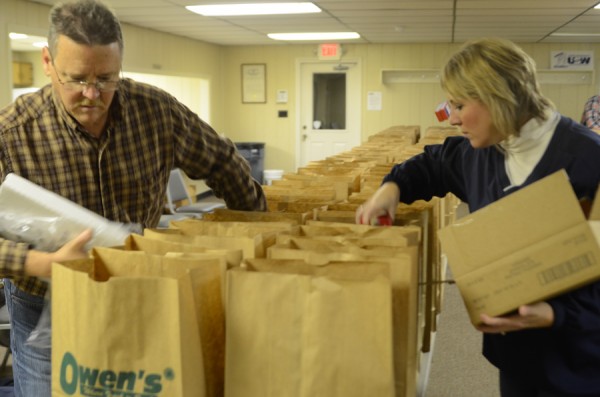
[500, 75]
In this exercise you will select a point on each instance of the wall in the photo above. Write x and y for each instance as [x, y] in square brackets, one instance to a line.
[259, 122]
[403, 103]
[191, 91]
[148, 51]
[35, 58]
[17, 16]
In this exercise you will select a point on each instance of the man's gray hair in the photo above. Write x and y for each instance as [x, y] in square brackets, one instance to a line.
[86, 22]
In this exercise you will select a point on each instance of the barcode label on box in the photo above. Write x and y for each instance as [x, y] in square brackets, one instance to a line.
[566, 269]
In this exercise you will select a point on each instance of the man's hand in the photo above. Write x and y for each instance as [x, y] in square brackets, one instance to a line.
[537, 315]
[39, 264]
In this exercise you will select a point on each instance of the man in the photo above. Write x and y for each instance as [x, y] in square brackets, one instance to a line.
[591, 113]
[106, 143]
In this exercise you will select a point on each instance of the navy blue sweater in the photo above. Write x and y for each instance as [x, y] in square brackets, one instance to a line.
[563, 359]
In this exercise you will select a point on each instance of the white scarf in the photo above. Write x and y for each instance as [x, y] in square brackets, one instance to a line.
[522, 153]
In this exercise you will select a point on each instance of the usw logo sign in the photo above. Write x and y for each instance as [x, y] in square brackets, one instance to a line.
[580, 60]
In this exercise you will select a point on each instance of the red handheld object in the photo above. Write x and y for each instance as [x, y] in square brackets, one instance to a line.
[382, 220]
[442, 112]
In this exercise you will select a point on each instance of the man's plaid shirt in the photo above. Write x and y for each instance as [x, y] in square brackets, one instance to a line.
[122, 175]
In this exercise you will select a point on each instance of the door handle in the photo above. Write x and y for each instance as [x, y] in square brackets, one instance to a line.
[304, 136]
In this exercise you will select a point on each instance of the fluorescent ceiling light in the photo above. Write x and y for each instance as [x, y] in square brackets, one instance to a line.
[17, 36]
[597, 6]
[254, 9]
[314, 36]
[574, 34]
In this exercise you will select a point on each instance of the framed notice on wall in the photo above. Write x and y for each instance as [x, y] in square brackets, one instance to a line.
[254, 85]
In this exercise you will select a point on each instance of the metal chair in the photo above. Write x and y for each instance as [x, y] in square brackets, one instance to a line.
[4, 331]
[177, 191]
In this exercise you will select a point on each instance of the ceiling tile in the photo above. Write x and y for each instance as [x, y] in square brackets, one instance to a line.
[390, 21]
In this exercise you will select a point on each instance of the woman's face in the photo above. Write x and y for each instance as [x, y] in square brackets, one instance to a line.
[475, 122]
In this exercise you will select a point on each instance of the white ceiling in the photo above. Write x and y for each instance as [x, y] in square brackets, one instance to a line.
[26, 44]
[377, 21]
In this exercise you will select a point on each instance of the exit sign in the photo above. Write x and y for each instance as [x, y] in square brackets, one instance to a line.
[330, 51]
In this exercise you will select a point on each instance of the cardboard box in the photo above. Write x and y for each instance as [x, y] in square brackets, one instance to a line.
[527, 247]
[442, 111]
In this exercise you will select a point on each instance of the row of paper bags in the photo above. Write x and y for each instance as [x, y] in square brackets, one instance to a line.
[149, 320]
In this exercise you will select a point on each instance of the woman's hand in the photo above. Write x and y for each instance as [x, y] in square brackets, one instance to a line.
[537, 315]
[39, 264]
[383, 202]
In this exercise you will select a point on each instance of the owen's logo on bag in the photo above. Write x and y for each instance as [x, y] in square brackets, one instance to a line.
[95, 382]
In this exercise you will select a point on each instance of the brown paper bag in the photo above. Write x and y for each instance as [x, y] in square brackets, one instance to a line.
[403, 263]
[251, 247]
[224, 214]
[135, 242]
[360, 235]
[128, 323]
[252, 237]
[200, 227]
[227, 258]
[300, 330]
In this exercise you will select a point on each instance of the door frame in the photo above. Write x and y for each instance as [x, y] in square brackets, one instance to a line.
[299, 63]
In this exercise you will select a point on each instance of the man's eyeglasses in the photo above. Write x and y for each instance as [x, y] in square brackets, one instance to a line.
[75, 85]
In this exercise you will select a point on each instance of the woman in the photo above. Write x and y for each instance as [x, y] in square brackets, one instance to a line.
[512, 136]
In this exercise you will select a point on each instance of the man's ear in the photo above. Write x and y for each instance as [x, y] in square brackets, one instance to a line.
[46, 61]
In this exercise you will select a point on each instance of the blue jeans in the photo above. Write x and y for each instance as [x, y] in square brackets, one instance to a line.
[31, 365]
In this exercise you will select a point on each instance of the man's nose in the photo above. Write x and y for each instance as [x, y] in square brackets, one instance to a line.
[90, 91]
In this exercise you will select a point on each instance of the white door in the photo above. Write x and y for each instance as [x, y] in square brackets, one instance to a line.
[329, 117]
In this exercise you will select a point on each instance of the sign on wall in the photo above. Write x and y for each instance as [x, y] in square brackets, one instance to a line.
[330, 51]
[572, 60]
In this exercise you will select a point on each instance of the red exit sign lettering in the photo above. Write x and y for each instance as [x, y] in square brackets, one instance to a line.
[330, 51]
